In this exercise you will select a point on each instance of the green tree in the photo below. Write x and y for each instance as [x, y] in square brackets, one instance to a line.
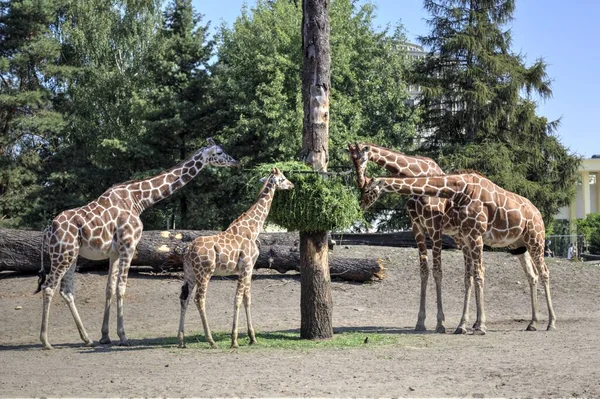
[32, 94]
[590, 229]
[107, 43]
[474, 112]
[256, 98]
[175, 107]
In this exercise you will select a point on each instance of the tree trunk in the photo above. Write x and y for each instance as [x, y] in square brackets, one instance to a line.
[163, 250]
[315, 292]
[316, 302]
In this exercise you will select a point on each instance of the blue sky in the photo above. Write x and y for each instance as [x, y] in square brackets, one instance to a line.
[561, 32]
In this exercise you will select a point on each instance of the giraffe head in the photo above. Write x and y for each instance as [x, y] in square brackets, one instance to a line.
[370, 193]
[278, 179]
[214, 155]
[359, 154]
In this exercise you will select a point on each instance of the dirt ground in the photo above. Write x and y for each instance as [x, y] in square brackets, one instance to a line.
[508, 361]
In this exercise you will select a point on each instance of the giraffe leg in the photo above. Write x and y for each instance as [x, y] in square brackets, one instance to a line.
[67, 292]
[124, 263]
[47, 294]
[184, 300]
[436, 236]
[532, 277]
[60, 264]
[479, 327]
[464, 320]
[247, 304]
[545, 279]
[111, 287]
[200, 300]
[419, 235]
[239, 293]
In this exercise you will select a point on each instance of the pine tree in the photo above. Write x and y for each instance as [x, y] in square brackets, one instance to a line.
[105, 42]
[474, 113]
[175, 108]
[32, 92]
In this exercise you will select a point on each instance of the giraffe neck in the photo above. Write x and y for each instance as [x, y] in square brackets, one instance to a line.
[148, 192]
[439, 186]
[401, 164]
[254, 218]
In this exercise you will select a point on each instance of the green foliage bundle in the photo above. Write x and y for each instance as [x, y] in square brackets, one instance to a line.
[317, 202]
[590, 229]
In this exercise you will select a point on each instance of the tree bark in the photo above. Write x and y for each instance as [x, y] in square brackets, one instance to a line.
[315, 287]
[163, 250]
[316, 302]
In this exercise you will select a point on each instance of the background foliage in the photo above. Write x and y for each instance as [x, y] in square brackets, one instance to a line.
[590, 229]
[478, 109]
[99, 92]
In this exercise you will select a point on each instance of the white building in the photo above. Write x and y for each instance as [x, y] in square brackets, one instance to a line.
[588, 193]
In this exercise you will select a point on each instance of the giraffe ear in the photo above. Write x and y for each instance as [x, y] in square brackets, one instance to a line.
[263, 179]
[275, 171]
[210, 141]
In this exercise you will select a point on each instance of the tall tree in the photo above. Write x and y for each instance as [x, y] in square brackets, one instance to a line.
[316, 302]
[107, 42]
[256, 100]
[474, 112]
[32, 91]
[175, 106]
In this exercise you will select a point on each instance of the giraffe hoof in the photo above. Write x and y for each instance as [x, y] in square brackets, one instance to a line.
[479, 331]
[551, 327]
[182, 346]
[460, 330]
[47, 347]
[124, 343]
[234, 346]
[89, 344]
[531, 327]
[105, 341]
[440, 330]
[420, 327]
[252, 342]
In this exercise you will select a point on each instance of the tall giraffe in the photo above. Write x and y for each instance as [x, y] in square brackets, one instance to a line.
[486, 214]
[233, 251]
[427, 214]
[110, 228]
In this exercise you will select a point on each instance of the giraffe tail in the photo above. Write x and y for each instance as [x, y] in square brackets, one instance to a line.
[42, 272]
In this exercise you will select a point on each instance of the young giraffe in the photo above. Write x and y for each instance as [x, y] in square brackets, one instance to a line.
[486, 214]
[234, 251]
[427, 214]
[110, 228]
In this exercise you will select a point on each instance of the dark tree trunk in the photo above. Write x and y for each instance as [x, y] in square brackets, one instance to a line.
[315, 293]
[316, 302]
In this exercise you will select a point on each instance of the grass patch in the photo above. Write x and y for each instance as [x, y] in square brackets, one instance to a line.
[292, 340]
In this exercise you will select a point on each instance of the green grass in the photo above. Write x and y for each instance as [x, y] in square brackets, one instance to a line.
[292, 340]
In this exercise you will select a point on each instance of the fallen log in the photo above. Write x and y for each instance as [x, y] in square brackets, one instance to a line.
[399, 239]
[163, 250]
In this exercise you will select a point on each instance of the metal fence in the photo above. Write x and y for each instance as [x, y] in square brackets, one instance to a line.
[559, 244]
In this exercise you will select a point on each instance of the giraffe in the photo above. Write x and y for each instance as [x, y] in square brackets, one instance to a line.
[233, 251]
[485, 214]
[110, 228]
[427, 214]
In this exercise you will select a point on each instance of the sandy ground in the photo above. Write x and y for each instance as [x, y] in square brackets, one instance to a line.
[506, 362]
